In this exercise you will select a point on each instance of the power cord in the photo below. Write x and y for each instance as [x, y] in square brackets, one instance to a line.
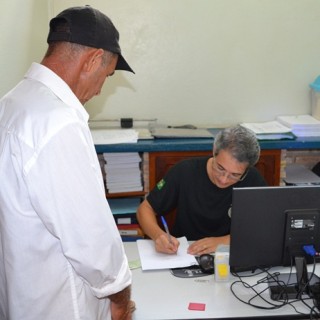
[257, 300]
[257, 292]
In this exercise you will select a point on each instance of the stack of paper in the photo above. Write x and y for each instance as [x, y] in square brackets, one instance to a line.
[269, 130]
[301, 125]
[267, 127]
[112, 136]
[123, 172]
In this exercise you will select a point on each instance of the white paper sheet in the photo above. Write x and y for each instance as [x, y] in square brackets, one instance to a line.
[152, 260]
[266, 127]
[112, 136]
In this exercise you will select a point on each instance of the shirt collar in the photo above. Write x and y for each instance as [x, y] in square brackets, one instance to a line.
[60, 88]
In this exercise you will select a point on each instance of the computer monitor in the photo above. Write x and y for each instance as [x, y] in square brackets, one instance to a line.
[270, 226]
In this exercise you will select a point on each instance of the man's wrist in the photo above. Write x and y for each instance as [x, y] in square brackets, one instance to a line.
[122, 311]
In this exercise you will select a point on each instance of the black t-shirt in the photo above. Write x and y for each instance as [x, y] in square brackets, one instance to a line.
[202, 207]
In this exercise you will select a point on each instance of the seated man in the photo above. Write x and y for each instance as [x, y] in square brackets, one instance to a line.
[200, 189]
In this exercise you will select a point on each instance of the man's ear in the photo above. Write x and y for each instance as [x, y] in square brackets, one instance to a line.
[93, 59]
[214, 151]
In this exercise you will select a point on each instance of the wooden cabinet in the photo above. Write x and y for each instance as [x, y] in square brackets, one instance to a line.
[160, 162]
[269, 166]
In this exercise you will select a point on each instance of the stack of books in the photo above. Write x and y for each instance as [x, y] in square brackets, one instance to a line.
[123, 172]
[124, 212]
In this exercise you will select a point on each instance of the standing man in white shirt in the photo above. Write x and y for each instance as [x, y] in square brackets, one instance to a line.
[61, 255]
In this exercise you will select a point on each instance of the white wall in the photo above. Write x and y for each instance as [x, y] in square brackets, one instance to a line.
[205, 62]
[23, 25]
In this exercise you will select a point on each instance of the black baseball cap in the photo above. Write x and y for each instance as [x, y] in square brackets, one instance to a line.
[89, 27]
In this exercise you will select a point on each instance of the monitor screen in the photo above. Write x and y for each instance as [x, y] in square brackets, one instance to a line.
[270, 225]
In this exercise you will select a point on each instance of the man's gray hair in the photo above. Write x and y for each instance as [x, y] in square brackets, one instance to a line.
[240, 142]
[72, 51]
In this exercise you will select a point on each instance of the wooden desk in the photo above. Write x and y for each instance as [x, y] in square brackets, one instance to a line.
[161, 296]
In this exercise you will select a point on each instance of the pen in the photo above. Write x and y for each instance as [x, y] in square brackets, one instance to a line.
[166, 228]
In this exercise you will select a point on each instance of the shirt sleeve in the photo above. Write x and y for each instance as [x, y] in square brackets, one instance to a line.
[253, 179]
[164, 196]
[66, 189]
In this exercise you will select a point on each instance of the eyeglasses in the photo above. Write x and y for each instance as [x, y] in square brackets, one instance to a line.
[223, 172]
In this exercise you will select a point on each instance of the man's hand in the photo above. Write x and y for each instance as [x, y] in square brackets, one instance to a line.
[163, 244]
[122, 312]
[121, 305]
[207, 245]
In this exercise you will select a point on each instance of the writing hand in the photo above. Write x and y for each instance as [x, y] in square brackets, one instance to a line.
[163, 245]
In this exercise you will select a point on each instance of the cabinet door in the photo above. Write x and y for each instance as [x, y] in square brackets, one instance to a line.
[269, 166]
[160, 162]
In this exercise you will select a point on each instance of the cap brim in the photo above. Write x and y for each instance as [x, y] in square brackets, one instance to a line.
[122, 64]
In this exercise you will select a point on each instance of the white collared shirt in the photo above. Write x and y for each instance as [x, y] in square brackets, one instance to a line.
[60, 251]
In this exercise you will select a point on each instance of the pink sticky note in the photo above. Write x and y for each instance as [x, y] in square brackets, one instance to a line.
[197, 306]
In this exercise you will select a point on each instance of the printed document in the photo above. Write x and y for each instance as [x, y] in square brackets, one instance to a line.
[152, 260]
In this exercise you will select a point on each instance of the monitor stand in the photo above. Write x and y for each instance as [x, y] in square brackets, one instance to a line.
[289, 286]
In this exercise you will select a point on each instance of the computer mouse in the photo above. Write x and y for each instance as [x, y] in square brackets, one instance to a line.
[206, 262]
